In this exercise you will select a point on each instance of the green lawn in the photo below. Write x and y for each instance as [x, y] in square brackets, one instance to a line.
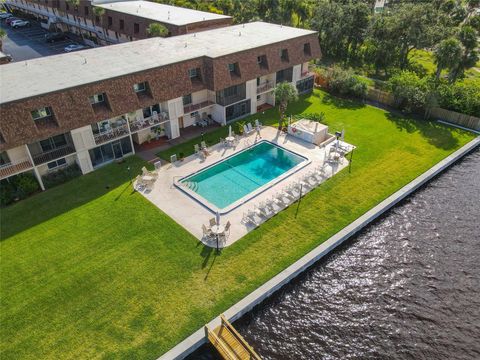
[92, 272]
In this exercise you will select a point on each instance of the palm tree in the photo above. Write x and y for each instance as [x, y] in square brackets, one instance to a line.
[447, 55]
[156, 29]
[284, 93]
[99, 12]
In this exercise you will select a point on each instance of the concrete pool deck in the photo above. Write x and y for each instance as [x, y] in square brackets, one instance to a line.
[191, 214]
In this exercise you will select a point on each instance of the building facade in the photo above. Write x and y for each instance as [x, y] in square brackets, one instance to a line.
[118, 20]
[91, 107]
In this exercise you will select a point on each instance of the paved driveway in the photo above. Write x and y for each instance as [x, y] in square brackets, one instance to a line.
[29, 42]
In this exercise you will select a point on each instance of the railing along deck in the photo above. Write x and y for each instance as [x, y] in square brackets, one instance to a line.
[114, 133]
[14, 168]
[52, 154]
[195, 107]
[264, 87]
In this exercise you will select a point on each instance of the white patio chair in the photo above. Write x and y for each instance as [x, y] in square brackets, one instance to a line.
[173, 158]
[196, 148]
[258, 123]
[207, 233]
[157, 164]
[203, 145]
[249, 127]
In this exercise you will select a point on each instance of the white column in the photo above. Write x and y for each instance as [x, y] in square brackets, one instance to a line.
[35, 170]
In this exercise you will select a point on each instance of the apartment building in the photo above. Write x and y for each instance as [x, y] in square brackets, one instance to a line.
[119, 21]
[90, 107]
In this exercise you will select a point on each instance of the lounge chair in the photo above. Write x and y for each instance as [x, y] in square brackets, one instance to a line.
[263, 210]
[250, 218]
[157, 164]
[245, 130]
[145, 171]
[249, 127]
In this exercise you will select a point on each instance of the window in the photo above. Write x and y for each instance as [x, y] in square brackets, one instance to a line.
[262, 61]
[284, 55]
[41, 113]
[306, 49]
[57, 163]
[259, 97]
[187, 99]
[140, 87]
[122, 24]
[4, 159]
[110, 21]
[96, 99]
[150, 110]
[192, 73]
[136, 28]
[234, 69]
[53, 143]
[86, 10]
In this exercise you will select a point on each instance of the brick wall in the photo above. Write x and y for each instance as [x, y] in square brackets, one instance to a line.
[72, 109]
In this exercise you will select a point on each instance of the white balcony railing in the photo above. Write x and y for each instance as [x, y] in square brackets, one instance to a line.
[13, 168]
[264, 87]
[155, 119]
[112, 134]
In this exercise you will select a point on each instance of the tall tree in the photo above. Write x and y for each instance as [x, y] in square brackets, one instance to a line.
[447, 55]
[284, 93]
[156, 29]
[469, 57]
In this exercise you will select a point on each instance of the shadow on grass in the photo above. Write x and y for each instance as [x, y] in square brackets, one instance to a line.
[207, 253]
[342, 103]
[66, 197]
[436, 134]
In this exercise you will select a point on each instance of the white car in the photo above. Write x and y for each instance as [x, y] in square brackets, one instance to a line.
[74, 47]
[5, 15]
[20, 23]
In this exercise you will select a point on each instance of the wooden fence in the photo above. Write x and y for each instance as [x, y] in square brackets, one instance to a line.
[467, 121]
[381, 97]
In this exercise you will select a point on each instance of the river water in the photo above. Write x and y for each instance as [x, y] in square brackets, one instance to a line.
[406, 287]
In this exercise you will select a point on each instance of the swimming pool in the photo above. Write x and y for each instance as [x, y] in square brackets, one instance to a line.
[236, 179]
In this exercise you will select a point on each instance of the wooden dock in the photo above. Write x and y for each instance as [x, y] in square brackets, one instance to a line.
[229, 343]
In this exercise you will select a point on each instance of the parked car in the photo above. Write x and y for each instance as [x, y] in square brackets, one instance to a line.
[10, 19]
[20, 23]
[5, 15]
[56, 36]
[74, 47]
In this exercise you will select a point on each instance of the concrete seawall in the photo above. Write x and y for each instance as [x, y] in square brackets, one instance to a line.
[195, 340]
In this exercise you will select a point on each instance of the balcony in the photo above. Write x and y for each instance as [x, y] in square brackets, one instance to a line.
[306, 74]
[111, 134]
[14, 168]
[54, 154]
[196, 107]
[267, 86]
[155, 119]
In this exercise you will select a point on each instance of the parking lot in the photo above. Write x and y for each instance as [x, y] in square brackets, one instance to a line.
[29, 42]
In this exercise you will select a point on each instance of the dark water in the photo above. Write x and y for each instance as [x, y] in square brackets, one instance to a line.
[407, 287]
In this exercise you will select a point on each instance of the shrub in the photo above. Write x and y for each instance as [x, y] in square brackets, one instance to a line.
[409, 90]
[318, 117]
[25, 184]
[61, 176]
[346, 83]
[7, 193]
[460, 97]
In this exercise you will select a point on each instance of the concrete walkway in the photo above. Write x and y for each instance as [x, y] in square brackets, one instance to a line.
[192, 214]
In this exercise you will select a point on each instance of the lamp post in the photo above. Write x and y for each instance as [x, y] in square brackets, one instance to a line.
[130, 175]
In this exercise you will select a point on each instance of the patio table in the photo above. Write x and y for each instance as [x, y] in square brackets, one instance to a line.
[217, 230]
[230, 139]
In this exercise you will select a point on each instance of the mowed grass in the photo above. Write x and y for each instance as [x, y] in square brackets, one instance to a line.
[91, 272]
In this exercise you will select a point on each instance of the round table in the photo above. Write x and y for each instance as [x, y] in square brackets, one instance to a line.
[217, 230]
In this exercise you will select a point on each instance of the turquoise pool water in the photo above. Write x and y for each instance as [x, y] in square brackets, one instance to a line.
[226, 182]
